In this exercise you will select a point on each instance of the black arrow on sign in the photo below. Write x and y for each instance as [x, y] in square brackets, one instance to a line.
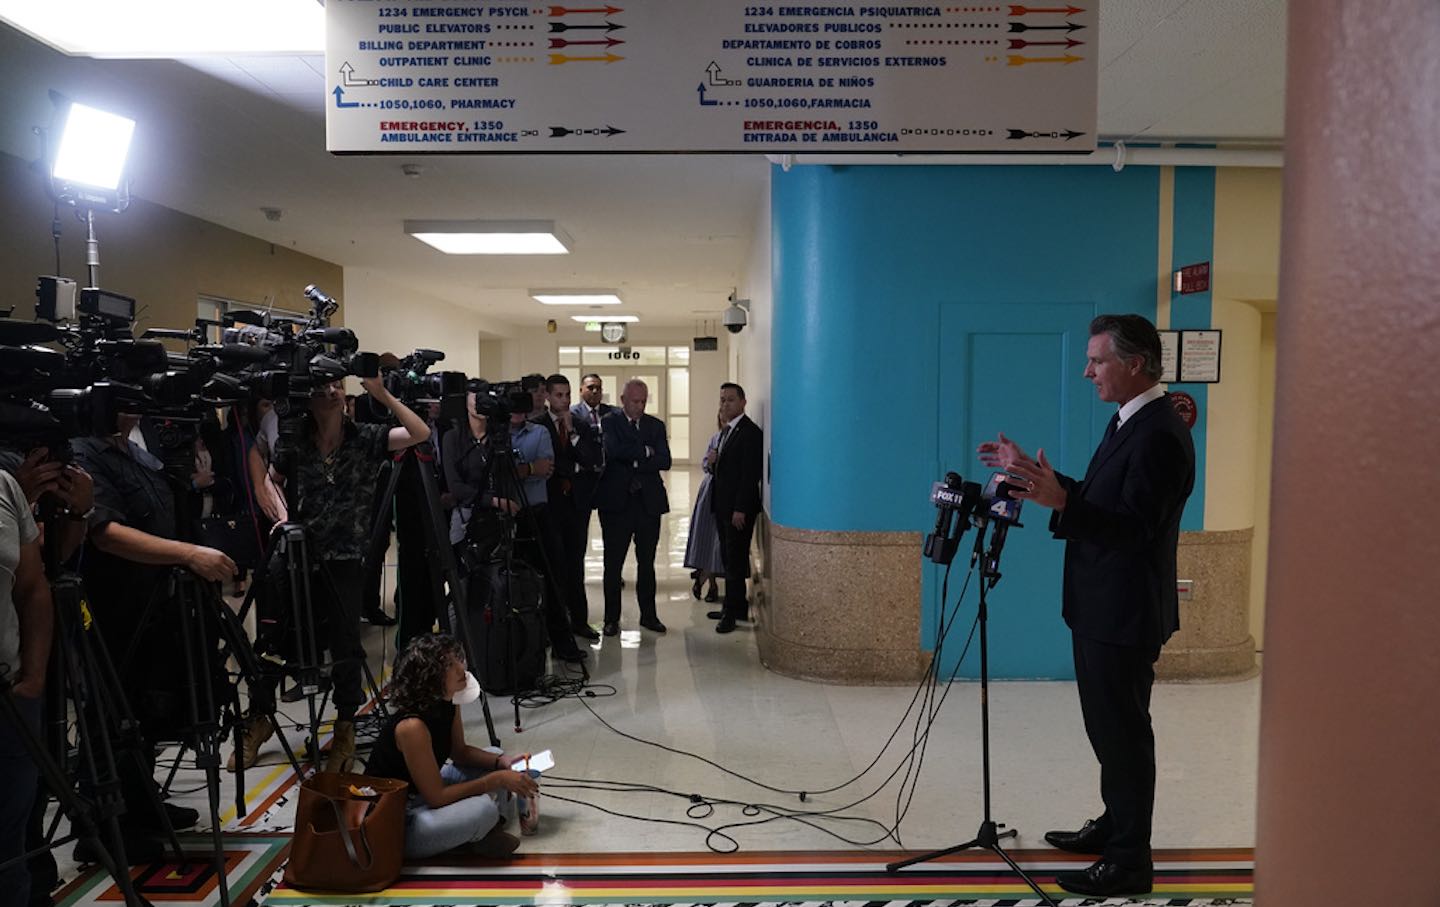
[561, 26]
[1021, 26]
[559, 132]
[1067, 135]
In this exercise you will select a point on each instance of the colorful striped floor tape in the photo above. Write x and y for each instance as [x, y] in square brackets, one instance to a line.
[811, 879]
[1182, 877]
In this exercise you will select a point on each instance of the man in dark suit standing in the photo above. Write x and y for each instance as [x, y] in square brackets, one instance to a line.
[735, 501]
[1121, 526]
[570, 524]
[587, 416]
[631, 498]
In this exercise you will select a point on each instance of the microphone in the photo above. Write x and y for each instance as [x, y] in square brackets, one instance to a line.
[235, 352]
[954, 498]
[942, 496]
[20, 333]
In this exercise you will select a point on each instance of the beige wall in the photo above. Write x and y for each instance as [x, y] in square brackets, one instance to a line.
[390, 317]
[1241, 407]
[165, 259]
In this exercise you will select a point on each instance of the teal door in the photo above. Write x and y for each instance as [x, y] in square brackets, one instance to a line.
[1018, 369]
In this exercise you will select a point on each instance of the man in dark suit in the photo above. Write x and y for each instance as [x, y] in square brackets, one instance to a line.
[571, 525]
[631, 498]
[586, 416]
[735, 500]
[1121, 526]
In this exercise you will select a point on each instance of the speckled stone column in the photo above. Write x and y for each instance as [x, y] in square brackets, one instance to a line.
[1214, 641]
[860, 624]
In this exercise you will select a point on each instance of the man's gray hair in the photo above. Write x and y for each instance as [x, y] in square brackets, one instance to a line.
[1132, 336]
[634, 382]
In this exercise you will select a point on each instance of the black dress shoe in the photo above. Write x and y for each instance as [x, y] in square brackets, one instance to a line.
[652, 624]
[1088, 840]
[573, 655]
[696, 586]
[612, 628]
[1106, 879]
[585, 631]
[714, 615]
[181, 817]
[378, 618]
[726, 625]
[140, 847]
[713, 595]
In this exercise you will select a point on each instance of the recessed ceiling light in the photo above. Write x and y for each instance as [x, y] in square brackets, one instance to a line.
[627, 319]
[575, 297]
[491, 237]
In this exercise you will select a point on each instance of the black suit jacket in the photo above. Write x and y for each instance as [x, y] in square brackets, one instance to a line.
[626, 462]
[1121, 524]
[589, 453]
[736, 482]
[562, 481]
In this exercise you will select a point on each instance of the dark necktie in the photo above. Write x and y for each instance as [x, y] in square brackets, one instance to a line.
[724, 433]
[1111, 429]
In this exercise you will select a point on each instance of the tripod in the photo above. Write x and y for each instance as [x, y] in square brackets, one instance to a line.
[89, 677]
[989, 835]
[443, 569]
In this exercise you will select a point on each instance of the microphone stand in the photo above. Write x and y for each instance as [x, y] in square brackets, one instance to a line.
[989, 834]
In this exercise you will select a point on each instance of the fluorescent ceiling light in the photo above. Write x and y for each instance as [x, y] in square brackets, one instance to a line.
[171, 28]
[627, 319]
[93, 146]
[575, 297]
[491, 237]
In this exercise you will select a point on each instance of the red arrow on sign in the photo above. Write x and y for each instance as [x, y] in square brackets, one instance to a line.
[1063, 10]
[605, 10]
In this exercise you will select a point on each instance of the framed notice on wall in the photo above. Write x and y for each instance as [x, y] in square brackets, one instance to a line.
[1190, 357]
[410, 76]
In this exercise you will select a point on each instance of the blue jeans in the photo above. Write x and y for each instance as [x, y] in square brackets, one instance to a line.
[21, 777]
[432, 831]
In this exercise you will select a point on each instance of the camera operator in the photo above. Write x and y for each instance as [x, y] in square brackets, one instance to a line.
[26, 624]
[131, 530]
[466, 460]
[334, 464]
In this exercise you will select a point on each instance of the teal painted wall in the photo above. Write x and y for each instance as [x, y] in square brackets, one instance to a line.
[865, 262]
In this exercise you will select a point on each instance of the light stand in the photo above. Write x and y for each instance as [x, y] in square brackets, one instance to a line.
[989, 835]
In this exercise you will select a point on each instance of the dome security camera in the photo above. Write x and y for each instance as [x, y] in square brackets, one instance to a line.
[735, 317]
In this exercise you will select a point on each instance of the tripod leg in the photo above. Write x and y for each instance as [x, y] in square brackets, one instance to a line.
[201, 696]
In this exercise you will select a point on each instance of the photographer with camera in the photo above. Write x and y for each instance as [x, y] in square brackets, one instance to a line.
[466, 457]
[334, 463]
[132, 529]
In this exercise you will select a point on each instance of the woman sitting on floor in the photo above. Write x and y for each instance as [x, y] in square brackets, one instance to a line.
[452, 803]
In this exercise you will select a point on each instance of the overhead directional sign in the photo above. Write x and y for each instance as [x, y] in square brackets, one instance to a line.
[714, 76]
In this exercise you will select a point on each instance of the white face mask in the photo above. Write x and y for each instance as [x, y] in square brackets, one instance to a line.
[470, 693]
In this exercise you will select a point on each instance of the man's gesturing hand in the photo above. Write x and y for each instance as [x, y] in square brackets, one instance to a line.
[1039, 483]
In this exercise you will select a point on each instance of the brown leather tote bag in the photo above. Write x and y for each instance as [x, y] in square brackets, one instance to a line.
[349, 833]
